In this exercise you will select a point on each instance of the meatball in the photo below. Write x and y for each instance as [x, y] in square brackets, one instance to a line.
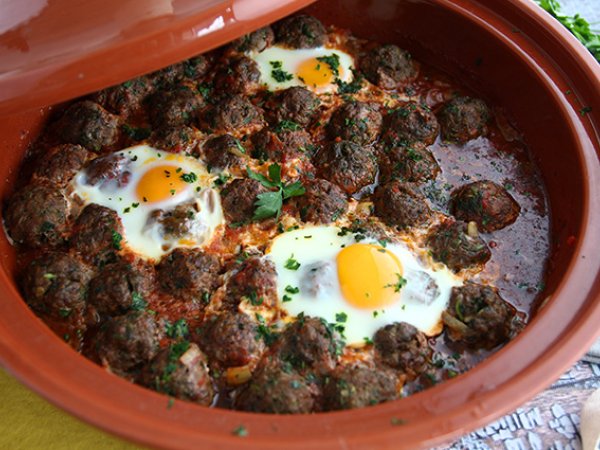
[88, 124]
[357, 386]
[191, 69]
[346, 164]
[240, 75]
[179, 139]
[322, 202]
[280, 146]
[189, 274]
[97, 235]
[55, 285]
[457, 246]
[37, 216]
[357, 122]
[464, 118]
[180, 370]
[125, 98]
[108, 171]
[308, 344]
[478, 317]
[121, 286]
[403, 347]
[60, 164]
[127, 341]
[256, 41]
[277, 390]
[401, 204]
[232, 339]
[238, 199]
[486, 203]
[173, 108]
[196, 67]
[295, 104]
[388, 66]
[256, 281]
[233, 113]
[411, 123]
[301, 31]
[412, 163]
[223, 152]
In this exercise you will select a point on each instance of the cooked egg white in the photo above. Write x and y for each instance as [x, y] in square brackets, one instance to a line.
[362, 286]
[155, 181]
[281, 68]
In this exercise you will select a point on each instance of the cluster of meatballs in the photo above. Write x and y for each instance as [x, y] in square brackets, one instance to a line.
[110, 304]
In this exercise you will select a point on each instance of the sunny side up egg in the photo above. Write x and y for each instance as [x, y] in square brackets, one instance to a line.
[144, 185]
[323, 271]
[316, 69]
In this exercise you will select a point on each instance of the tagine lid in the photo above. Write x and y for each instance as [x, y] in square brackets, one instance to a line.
[56, 50]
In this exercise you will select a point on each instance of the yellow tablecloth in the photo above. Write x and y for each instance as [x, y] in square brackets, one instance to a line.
[29, 422]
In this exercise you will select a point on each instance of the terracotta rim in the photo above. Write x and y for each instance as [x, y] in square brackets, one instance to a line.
[528, 364]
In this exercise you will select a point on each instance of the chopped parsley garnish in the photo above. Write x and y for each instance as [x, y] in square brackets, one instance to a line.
[286, 298]
[333, 61]
[240, 147]
[189, 177]
[291, 263]
[287, 125]
[64, 312]
[116, 240]
[278, 73]
[368, 340]
[254, 299]
[222, 179]
[177, 330]
[291, 289]
[350, 88]
[399, 284]
[137, 302]
[240, 431]
[341, 317]
[269, 204]
[49, 276]
[266, 332]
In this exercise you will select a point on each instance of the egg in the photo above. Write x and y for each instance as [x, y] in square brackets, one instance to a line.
[316, 69]
[164, 200]
[357, 283]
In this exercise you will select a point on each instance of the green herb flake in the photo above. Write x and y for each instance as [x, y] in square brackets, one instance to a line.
[189, 177]
[269, 204]
[278, 74]
[291, 263]
[333, 61]
[240, 431]
[137, 302]
[291, 289]
[116, 240]
[341, 317]
[398, 285]
[179, 329]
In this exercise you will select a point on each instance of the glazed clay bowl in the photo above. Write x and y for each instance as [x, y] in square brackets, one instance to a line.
[508, 51]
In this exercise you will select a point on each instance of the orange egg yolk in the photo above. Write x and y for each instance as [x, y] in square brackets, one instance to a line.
[369, 275]
[313, 72]
[160, 183]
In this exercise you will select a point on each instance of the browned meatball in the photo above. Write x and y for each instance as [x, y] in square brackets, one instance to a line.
[223, 152]
[173, 108]
[180, 371]
[358, 122]
[308, 345]
[191, 69]
[276, 389]
[256, 41]
[357, 386]
[189, 274]
[60, 164]
[110, 172]
[179, 139]
[128, 341]
[300, 31]
[256, 281]
[238, 199]
[401, 204]
[409, 124]
[37, 216]
[55, 285]
[121, 286]
[295, 104]
[125, 98]
[196, 67]
[486, 203]
[88, 124]
[233, 113]
[412, 163]
[478, 317]
[232, 339]
[239, 75]
[403, 347]
[97, 235]
[346, 164]
[388, 66]
[464, 118]
[451, 243]
[322, 202]
[280, 146]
